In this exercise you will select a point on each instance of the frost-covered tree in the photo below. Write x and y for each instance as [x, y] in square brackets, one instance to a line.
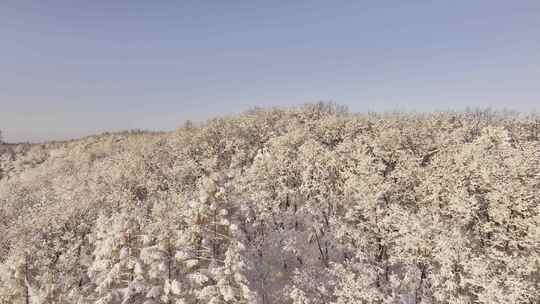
[117, 244]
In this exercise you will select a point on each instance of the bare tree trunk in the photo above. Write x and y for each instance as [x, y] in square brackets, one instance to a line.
[26, 283]
[418, 291]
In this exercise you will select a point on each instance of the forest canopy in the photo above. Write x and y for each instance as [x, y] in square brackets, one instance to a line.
[311, 204]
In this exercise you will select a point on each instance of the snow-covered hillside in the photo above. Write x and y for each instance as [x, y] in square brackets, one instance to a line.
[301, 205]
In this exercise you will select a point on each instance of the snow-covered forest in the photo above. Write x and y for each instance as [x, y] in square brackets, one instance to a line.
[305, 205]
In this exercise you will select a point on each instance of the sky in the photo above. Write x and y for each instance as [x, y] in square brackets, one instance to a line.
[74, 68]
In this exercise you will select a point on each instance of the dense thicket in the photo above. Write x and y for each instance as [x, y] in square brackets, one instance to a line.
[303, 205]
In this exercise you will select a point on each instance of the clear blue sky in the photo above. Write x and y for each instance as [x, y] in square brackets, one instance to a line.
[73, 68]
